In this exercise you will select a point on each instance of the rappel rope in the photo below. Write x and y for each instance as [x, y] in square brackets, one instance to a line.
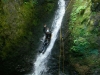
[61, 52]
[62, 48]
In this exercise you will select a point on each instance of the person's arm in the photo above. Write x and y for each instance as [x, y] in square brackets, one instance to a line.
[44, 29]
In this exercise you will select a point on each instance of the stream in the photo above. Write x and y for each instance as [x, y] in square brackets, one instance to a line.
[40, 64]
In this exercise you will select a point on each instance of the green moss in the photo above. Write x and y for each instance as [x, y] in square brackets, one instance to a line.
[18, 21]
[84, 28]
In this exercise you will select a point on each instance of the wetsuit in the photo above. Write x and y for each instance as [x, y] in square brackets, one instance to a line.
[48, 36]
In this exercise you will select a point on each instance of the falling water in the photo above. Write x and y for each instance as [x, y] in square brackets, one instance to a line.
[40, 67]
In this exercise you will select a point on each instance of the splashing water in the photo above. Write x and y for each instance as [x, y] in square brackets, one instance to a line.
[40, 67]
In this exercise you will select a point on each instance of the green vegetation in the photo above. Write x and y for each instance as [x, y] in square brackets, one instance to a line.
[20, 20]
[84, 27]
[17, 21]
[14, 28]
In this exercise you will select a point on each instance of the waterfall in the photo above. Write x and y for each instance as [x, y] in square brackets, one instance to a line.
[40, 67]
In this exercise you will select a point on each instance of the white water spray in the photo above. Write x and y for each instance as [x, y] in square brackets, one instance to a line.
[40, 64]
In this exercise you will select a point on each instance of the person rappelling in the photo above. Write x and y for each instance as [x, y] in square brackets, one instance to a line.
[47, 34]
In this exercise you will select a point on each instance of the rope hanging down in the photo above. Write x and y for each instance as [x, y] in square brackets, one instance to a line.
[62, 46]
[61, 52]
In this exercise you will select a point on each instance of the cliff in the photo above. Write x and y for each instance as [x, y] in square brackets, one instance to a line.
[84, 37]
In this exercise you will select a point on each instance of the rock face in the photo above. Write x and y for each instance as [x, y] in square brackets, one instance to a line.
[95, 5]
[20, 22]
[83, 44]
